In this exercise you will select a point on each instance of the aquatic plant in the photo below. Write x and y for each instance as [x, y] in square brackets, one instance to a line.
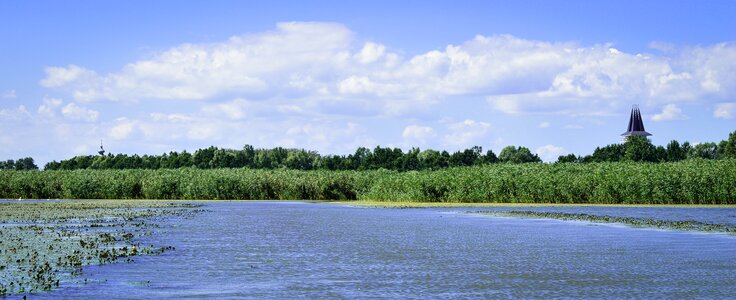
[688, 225]
[44, 244]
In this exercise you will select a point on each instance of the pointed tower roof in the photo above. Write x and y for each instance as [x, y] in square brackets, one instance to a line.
[636, 125]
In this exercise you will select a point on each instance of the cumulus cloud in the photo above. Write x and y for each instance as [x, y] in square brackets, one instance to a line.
[550, 153]
[317, 64]
[544, 124]
[418, 134]
[725, 110]
[669, 112]
[465, 132]
[264, 63]
[76, 112]
[371, 52]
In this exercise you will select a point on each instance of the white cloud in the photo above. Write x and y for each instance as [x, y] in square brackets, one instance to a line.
[10, 94]
[550, 153]
[259, 64]
[669, 112]
[17, 114]
[316, 64]
[49, 106]
[75, 112]
[465, 132]
[60, 76]
[175, 118]
[544, 124]
[371, 52]
[123, 129]
[418, 134]
[725, 110]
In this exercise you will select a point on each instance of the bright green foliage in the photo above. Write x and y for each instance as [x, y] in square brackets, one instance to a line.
[693, 181]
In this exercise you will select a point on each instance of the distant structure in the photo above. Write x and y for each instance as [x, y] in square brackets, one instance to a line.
[102, 150]
[636, 125]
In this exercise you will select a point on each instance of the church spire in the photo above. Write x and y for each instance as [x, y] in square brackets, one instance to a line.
[636, 124]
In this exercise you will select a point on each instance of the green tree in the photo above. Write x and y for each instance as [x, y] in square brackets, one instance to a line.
[613, 152]
[203, 157]
[729, 149]
[639, 148]
[675, 152]
[570, 158]
[490, 157]
[703, 150]
[516, 155]
[25, 163]
[467, 157]
[300, 160]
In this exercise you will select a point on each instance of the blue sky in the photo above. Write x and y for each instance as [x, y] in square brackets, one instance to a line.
[558, 77]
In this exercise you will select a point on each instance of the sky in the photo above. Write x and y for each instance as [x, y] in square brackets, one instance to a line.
[558, 77]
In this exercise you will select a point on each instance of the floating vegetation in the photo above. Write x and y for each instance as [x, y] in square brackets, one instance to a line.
[688, 225]
[44, 244]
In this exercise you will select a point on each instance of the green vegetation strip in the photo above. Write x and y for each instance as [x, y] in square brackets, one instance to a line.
[687, 225]
[45, 244]
[686, 182]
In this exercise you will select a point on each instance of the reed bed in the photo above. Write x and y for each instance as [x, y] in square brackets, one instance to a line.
[693, 181]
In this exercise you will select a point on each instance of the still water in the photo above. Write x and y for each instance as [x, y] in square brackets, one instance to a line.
[291, 250]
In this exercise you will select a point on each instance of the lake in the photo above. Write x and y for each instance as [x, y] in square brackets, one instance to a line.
[310, 250]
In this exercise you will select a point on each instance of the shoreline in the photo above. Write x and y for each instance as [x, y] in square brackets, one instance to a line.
[400, 204]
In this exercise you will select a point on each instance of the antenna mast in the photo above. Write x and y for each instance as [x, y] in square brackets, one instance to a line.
[102, 150]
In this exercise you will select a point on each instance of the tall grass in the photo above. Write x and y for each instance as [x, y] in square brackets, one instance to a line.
[685, 182]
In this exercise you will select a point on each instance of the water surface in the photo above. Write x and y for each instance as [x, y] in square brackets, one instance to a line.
[306, 250]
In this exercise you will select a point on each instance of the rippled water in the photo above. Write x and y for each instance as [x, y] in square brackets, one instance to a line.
[306, 250]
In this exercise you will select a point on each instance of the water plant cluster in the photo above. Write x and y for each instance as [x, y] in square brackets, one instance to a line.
[45, 244]
[688, 225]
[685, 182]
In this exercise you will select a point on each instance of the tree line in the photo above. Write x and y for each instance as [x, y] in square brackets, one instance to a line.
[21, 164]
[300, 159]
[636, 148]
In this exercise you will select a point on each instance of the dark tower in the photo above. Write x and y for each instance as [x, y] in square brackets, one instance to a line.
[636, 125]
[102, 150]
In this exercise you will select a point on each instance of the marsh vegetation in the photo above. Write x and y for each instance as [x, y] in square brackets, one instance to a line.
[45, 244]
[686, 182]
[687, 225]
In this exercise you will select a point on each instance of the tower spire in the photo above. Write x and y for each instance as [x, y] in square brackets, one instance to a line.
[636, 124]
[102, 150]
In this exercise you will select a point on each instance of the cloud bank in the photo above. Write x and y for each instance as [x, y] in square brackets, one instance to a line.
[321, 67]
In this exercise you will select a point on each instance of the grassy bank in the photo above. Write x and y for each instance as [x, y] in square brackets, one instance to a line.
[685, 182]
[45, 245]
